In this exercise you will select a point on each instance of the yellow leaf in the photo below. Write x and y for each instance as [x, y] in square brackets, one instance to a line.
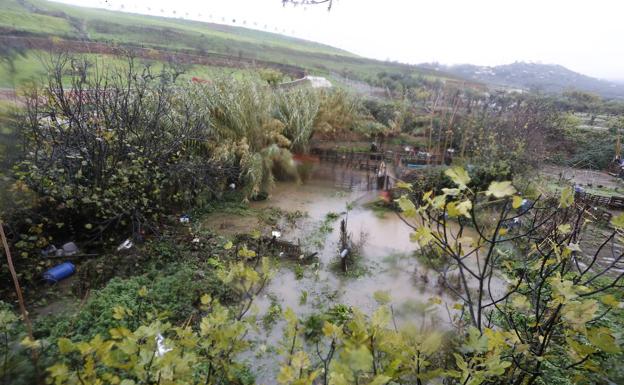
[603, 339]
[564, 229]
[331, 330]
[205, 299]
[422, 235]
[228, 245]
[435, 300]
[119, 312]
[300, 360]
[459, 176]
[143, 291]
[567, 197]
[65, 345]
[618, 221]
[382, 297]
[610, 300]
[520, 302]
[286, 375]
[406, 206]
[516, 202]
[30, 344]
[500, 189]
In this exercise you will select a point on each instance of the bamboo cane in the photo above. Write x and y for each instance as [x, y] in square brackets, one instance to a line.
[18, 289]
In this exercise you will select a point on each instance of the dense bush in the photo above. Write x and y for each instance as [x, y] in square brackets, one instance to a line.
[339, 113]
[298, 109]
[589, 149]
[115, 151]
[171, 295]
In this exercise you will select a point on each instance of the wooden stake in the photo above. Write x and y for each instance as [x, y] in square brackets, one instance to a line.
[18, 289]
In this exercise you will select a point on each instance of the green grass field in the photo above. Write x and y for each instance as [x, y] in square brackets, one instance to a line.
[32, 68]
[39, 18]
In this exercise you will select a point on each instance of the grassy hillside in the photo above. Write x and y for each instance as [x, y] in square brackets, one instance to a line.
[25, 21]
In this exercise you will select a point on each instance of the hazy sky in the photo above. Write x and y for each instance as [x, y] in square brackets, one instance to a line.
[585, 36]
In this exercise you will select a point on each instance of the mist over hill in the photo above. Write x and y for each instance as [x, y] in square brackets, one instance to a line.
[535, 76]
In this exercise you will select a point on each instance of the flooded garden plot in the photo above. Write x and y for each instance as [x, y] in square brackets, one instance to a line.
[386, 263]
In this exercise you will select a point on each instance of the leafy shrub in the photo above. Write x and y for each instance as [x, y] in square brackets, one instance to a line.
[243, 131]
[15, 364]
[297, 110]
[171, 295]
[339, 113]
[113, 152]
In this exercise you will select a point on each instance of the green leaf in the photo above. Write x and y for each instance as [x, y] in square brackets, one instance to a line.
[119, 312]
[459, 176]
[59, 371]
[228, 245]
[577, 314]
[406, 206]
[380, 380]
[475, 342]
[300, 360]
[142, 291]
[603, 339]
[567, 197]
[618, 221]
[422, 235]
[382, 297]
[563, 291]
[403, 185]
[6, 319]
[610, 300]
[287, 375]
[500, 189]
[358, 359]
[65, 345]
[246, 253]
[520, 302]
[381, 317]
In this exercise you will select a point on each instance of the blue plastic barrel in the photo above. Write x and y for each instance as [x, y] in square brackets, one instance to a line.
[60, 272]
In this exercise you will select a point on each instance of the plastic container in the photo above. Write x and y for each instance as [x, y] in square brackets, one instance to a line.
[59, 272]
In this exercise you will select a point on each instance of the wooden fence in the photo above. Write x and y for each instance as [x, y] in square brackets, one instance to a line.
[613, 202]
[365, 160]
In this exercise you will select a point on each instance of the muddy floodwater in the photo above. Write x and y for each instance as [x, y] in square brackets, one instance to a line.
[387, 261]
[386, 254]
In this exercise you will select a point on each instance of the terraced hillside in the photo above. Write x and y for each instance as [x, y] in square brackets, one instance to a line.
[30, 28]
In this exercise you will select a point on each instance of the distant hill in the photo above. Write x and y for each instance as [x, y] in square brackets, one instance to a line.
[534, 76]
